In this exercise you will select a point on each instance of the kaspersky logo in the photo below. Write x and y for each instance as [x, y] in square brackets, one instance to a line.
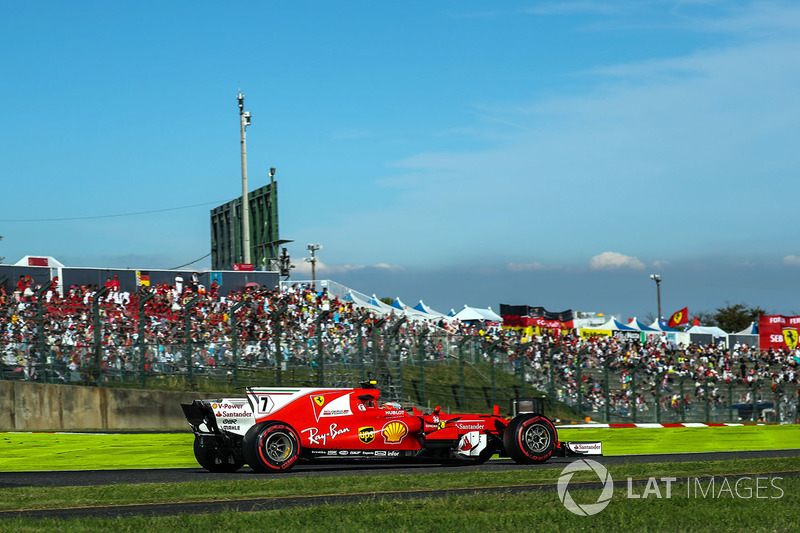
[585, 509]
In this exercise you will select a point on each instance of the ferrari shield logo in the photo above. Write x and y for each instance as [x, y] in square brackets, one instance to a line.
[790, 338]
[366, 434]
[319, 400]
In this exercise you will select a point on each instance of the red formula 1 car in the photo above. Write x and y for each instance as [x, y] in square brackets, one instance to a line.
[274, 428]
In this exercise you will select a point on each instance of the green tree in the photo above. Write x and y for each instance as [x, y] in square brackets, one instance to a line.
[387, 301]
[736, 317]
[705, 318]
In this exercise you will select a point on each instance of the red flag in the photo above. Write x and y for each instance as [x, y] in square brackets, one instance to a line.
[679, 317]
[695, 321]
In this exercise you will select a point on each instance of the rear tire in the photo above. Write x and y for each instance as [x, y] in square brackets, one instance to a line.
[214, 457]
[271, 447]
[530, 439]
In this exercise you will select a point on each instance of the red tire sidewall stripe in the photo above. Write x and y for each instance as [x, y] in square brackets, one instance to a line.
[525, 424]
[266, 433]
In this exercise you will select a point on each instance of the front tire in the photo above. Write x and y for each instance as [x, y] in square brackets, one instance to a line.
[214, 457]
[530, 439]
[271, 447]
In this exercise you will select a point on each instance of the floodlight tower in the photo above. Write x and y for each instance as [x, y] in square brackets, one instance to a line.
[244, 121]
[313, 260]
[657, 279]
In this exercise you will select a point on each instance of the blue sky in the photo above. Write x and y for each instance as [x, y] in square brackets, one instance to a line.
[541, 153]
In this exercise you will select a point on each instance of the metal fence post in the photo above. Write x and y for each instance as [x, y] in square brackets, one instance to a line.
[681, 403]
[633, 390]
[360, 340]
[237, 359]
[141, 342]
[490, 350]
[376, 325]
[394, 332]
[461, 394]
[320, 352]
[421, 351]
[98, 337]
[276, 322]
[552, 372]
[657, 393]
[40, 325]
[521, 357]
[187, 329]
[730, 402]
[606, 364]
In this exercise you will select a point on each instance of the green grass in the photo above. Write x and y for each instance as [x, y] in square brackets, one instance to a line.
[266, 486]
[625, 441]
[62, 451]
[529, 511]
[73, 451]
[523, 512]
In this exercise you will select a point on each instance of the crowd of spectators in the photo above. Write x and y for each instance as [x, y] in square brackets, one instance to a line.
[58, 335]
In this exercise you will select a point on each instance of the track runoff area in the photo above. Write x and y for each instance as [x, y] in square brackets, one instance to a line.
[702, 462]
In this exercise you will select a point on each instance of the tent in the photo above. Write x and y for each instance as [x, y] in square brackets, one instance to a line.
[422, 308]
[373, 304]
[477, 313]
[752, 329]
[707, 330]
[748, 335]
[635, 323]
[397, 304]
[658, 325]
[707, 335]
[615, 325]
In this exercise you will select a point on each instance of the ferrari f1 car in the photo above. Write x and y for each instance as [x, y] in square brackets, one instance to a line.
[272, 429]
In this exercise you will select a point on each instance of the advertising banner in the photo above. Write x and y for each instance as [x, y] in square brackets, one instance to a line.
[778, 331]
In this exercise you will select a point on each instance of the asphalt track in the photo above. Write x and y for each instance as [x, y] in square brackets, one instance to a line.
[171, 475]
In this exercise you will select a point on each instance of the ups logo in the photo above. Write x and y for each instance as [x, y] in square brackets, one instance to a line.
[366, 434]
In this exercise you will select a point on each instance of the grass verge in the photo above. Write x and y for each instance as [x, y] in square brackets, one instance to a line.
[71, 451]
[265, 486]
[683, 511]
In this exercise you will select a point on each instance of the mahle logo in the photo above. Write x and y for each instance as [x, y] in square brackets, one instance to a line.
[585, 509]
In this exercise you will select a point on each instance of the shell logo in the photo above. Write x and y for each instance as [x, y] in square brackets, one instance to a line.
[393, 432]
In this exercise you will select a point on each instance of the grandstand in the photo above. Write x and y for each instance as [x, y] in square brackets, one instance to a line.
[252, 329]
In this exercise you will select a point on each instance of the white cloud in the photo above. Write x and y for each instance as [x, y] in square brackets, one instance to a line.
[324, 270]
[614, 260]
[519, 267]
[791, 260]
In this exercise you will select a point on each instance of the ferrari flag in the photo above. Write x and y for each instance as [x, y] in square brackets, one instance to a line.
[778, 331]
[679, 317]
